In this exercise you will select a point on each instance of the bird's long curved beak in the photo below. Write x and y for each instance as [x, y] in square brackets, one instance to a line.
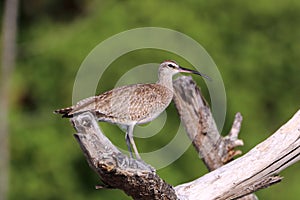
[185, 70]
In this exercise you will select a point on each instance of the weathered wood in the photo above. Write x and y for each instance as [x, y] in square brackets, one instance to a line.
[255, 170]
[213, 149]
[116, 170]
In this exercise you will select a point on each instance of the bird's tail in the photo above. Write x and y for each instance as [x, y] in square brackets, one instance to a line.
[65, 112]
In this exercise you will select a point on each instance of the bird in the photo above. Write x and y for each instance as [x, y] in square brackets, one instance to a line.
[132, 105]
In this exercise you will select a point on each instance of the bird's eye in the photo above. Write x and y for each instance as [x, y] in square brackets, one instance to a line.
[170, 65]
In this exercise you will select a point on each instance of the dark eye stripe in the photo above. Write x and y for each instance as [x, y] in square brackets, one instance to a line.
[170, 65]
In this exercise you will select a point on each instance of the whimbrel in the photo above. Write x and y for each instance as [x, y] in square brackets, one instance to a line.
[132, 104]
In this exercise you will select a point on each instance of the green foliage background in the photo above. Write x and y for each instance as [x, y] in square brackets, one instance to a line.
[255, 45]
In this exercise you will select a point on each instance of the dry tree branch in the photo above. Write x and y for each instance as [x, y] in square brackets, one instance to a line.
[255, 170]
[116, 170]
[213, 149]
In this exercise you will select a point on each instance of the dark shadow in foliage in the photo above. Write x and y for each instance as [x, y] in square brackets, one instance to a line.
[56, 10]
[86, 178]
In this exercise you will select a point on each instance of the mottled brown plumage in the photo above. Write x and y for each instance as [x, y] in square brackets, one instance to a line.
[131, 104]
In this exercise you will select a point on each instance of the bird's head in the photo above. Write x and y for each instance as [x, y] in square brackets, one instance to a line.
[171, 67]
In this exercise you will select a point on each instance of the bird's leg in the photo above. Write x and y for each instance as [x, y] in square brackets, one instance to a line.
[128, 143]
[130, 138]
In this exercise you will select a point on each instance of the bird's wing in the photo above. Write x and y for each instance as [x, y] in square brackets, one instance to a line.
[126, 103]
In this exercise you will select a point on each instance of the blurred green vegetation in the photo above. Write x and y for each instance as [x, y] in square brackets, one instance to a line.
[255, 45]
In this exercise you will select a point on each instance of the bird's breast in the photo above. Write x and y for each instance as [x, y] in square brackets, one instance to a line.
[150, 103]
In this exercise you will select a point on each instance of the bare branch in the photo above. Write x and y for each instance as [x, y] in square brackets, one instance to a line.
[213, 149]
[116, 170]
[255, 170]
[236, 126]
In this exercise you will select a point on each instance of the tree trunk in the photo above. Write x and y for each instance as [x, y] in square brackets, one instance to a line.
[8, 61]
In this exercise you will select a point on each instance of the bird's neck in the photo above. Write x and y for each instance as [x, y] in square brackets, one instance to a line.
[165, 80]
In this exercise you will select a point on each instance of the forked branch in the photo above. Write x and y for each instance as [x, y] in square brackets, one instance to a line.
[255, 170]
[213, 149]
